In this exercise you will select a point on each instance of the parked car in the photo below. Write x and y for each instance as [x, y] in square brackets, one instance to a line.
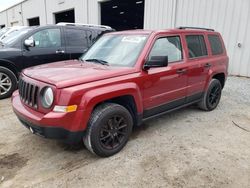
[39, 45]
[3, 30]
[6, 31]
[123, 79]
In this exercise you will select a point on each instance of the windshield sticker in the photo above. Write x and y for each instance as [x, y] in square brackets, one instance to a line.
[133, 39]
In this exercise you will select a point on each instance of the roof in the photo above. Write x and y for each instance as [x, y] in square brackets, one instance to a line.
[176, 30]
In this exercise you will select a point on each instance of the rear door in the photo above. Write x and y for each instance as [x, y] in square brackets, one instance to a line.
[48, 47]
[77, 41]
[198, 65]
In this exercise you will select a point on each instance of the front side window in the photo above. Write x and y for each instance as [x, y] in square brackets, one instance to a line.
[167, 46]
[215, 44]
[47, 38]
[117, 50]
[196, 46]
[76, 38]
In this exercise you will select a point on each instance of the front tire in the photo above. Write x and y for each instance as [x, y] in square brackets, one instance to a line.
[108, 130]
[8, 82]
[212, 96]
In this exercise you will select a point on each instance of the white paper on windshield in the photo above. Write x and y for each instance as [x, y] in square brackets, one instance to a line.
[133, 39]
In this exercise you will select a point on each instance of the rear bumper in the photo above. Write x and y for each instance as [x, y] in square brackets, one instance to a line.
[61, 126]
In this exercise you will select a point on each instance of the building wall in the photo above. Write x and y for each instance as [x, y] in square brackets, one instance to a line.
[86, 11]
[94, 14]
[229, 17]
[30, 10]
[3, 18]
[56, 6]
[159, 14]
[14, 16]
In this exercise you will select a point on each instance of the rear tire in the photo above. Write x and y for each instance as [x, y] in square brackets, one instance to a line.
[108, 130]
[212, 96]
[8, 82]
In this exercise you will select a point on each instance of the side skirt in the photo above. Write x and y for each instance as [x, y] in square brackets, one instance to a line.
[171, 106]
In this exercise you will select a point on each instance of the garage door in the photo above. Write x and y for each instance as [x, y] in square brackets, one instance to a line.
[123, 14]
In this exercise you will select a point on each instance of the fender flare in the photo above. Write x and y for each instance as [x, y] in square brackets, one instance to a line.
[211, 74]
[93, 97]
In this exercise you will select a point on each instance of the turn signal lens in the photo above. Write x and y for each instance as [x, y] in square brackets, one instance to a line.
[71, 108]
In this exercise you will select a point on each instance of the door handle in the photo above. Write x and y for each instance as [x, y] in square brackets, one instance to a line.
[181, 71]
[60, 51]
[207, 65]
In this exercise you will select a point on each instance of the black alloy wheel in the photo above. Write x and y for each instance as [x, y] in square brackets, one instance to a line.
[214, 95]
[211, 98]
[108, 130]
[113, 132]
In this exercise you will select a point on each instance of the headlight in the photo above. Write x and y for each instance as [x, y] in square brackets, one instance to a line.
[47, 97]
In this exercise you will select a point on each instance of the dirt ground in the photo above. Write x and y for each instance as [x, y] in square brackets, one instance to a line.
[186, 148]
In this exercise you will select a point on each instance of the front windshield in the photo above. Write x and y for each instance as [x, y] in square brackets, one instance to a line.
[15, 35]
[116, 50]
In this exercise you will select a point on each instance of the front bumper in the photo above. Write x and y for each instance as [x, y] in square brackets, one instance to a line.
[61, 126]
[53, 132]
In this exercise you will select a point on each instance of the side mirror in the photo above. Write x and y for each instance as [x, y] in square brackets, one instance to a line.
[156, 61]
[29, 43]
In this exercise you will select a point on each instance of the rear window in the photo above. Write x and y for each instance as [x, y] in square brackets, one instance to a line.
[76, 38]
[196, 46]
[215, 44]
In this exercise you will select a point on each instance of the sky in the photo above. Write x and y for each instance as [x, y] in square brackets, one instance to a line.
[7, 3]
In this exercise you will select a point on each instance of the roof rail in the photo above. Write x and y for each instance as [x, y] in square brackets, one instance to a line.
[202, 28]
[85, 25]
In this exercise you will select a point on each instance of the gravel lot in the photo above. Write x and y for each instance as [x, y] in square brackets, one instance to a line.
[186, 148]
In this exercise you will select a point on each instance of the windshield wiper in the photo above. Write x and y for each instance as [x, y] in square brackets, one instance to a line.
[98, 61]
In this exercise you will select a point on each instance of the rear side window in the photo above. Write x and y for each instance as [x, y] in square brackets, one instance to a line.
[76, 38]
[215, 44]
[92, 36]
[196, 46]
[167, 46]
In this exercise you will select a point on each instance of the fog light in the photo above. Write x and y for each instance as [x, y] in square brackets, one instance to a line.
[71, 108]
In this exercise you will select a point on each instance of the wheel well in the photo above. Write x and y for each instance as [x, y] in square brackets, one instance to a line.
[11, 68]
[126, 101]
[221, 78]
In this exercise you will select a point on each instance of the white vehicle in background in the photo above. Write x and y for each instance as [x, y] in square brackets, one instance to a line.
[8, 30]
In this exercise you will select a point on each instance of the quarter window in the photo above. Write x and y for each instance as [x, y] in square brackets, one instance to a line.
[196, 46]
[47, 38]
[167, 46]
[215, 44]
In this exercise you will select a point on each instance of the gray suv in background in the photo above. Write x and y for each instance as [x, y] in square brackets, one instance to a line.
[44, 44]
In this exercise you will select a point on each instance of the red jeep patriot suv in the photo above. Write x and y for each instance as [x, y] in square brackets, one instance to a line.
[124, 78]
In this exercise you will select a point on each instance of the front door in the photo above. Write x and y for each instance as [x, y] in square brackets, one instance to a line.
[48, 48]
[165, 88]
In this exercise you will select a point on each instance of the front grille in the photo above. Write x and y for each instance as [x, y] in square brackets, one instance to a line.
[28, 93]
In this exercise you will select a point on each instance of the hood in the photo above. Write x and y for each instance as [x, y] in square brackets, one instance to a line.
[73, 72]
